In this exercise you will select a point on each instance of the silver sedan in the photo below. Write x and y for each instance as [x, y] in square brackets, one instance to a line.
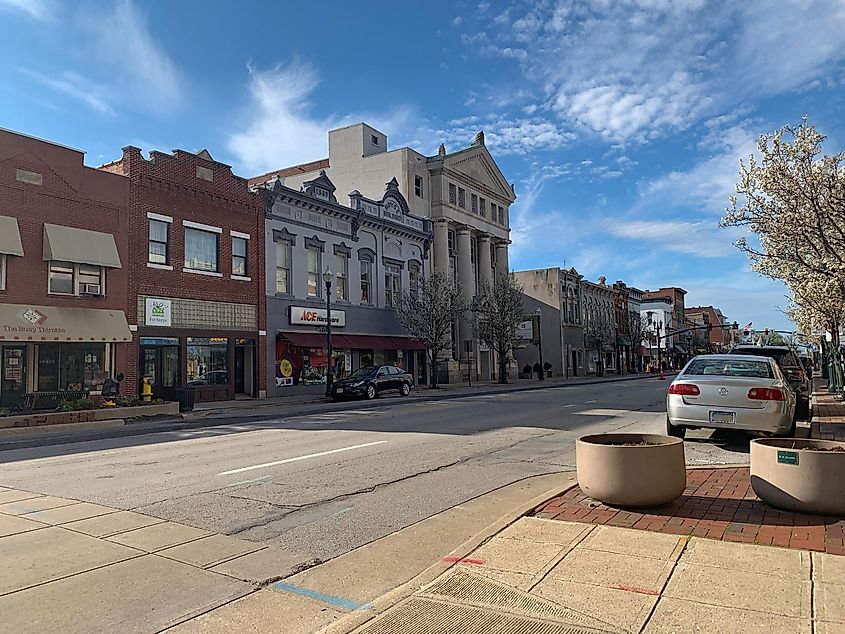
[723, 391]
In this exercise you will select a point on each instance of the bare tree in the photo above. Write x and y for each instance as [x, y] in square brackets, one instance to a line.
[638, 330]
[599, 335]
[428, 315]
[497, 312]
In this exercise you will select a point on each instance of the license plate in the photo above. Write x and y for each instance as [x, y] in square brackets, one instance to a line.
[339, 390]
[723, 418]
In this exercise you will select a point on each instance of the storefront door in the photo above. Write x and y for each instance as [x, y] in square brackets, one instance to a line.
[160, 364]
[12, 375]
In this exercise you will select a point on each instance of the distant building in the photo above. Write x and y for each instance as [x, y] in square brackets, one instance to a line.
[719, 335]
[679, 343]
[659, 318]
[599, 313]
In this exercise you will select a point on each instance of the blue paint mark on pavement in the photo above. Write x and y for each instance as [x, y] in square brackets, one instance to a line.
[338, 602]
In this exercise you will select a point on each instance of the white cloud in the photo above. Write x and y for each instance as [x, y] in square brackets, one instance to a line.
[137, 64]
[81, 88]
[280, 129]
[505, 136]
[691, 237]
[42, 10]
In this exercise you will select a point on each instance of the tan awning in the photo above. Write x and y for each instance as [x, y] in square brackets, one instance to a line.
[10, 236]
[80, 245]
[22, 322]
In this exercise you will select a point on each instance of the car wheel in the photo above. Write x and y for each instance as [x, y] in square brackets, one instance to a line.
[406, 389]
[675, 430]
[371, 392]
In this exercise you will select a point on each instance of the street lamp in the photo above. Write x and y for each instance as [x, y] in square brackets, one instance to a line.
[541, 373]
[327, 278]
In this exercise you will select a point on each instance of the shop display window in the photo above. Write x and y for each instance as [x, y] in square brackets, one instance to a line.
[71, 366]
[208, 360]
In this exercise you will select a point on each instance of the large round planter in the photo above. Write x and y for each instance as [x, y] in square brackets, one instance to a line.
[807, 476]
[631, 469]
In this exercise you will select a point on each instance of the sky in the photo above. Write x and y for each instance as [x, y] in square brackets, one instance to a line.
[620, 123]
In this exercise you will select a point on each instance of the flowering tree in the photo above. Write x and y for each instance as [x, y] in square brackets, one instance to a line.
[792, 200]
[429, 313]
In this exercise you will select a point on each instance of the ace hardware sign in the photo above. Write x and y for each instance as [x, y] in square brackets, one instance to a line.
[307, 316]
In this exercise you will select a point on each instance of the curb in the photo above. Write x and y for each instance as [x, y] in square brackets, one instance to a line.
[38, 431]
[386, 601]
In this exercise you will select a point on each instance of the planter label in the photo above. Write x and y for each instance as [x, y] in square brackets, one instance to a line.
[788, 457]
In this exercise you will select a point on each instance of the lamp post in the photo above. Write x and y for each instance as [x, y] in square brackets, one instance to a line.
[541, 374]
[327, 278]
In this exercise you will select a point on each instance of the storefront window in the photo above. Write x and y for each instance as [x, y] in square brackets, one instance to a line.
[71, 366]
[208, 361]
[314, 364]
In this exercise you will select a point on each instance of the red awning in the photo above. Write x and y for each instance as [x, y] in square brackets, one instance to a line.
[305, 339]
[369, 341]
[406, 343]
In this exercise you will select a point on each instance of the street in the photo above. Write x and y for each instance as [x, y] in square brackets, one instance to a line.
[320, 485]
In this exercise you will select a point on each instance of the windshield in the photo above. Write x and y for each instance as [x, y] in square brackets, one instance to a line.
[784, 358]
[363, 373]
[725, 367]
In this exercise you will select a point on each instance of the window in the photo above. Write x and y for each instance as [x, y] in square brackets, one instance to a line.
[473, 260]
[418, 186]
[239, 256]
[158, 249]
[414, 279]
[451, 240]
[313, 272]
[283, 267]
[374, 139]
[201, 250]
[482, 207]
[61, 278]
[67, 278]
[71, 366]
[453, 268]
[501, 215]
[342, 276]
[208, 361]
[462, 198]
[452, 193]
[392, 284]
[366, 281]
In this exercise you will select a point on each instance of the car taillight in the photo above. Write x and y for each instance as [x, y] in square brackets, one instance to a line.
[684, 389]
[765, 394]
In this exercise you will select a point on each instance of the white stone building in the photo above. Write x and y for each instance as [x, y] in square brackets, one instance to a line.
[464, 194]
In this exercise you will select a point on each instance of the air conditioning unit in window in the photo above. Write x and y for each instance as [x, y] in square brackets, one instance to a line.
[89, 289]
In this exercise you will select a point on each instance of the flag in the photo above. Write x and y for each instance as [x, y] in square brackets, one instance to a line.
[747, 326]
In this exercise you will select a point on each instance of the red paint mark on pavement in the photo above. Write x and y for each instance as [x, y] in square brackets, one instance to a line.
[653, 593]
[463, 560]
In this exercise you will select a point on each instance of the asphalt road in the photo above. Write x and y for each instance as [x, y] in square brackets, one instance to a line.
[322, 484]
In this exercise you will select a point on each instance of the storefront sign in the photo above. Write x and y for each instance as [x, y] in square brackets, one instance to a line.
[157, 312]
[301, 316]
[525, 330]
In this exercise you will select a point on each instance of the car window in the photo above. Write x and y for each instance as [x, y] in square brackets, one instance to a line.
[730, 367]
[395, 370]
[363, 373]
[383, 371]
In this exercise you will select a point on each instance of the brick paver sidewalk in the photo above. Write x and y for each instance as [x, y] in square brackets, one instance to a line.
[829, 419]
[717, 504]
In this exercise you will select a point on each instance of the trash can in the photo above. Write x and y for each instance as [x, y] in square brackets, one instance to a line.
[185, 396]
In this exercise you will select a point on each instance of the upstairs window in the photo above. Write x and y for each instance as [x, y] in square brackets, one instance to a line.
[392, 284]
[201, 250]
[314, 278]
[366, 281]
[68, 278]
[373, 139]
[239, 248]
[414, 279]
[61, 278]
[473, 201]
[453, 196]
[418, 186]
[342, 276]
[501, 215]
[158, 252]
[462, 198]
[283, 267]
[482, 207]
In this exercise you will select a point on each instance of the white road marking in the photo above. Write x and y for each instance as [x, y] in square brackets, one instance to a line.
[593, 401]
[298, 458]
[569, 405]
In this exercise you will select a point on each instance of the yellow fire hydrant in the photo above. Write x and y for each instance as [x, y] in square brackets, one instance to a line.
[147, 389]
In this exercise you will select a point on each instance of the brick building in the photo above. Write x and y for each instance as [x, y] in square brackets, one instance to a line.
[718, 337]
[196, 276]
[63, 271]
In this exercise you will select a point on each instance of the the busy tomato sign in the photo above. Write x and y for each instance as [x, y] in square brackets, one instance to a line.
[306, 316]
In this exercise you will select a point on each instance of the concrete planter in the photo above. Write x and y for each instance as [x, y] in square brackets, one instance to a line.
[631, 469]
[87, 415]
[803, 475]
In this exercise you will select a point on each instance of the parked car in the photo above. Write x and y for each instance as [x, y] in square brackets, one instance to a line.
[729, 391]
[795, 372]
[371, 381]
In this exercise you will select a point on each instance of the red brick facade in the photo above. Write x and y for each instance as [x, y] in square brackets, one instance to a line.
[42, 182]
[193, 188]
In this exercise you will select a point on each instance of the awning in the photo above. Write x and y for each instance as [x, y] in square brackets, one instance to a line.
[677, 349]
[340, 341]
[21, 322]
[82, 246]
[307, 339]
[10, 236]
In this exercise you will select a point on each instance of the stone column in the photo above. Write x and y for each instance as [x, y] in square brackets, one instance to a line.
[486, 273]
[502, 257]
[466, 276]
[441, 246]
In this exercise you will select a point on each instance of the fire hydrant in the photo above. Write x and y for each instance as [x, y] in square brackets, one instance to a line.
[147, 389]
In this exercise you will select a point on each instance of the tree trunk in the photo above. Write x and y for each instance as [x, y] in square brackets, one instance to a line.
[503, 371]
[432, 376]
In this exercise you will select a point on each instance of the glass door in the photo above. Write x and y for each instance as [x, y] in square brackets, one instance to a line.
[12, 376]
[160, 364]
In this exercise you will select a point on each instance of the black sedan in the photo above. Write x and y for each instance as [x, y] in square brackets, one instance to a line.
[371, 381]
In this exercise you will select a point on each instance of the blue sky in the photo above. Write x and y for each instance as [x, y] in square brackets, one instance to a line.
[620, 123]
